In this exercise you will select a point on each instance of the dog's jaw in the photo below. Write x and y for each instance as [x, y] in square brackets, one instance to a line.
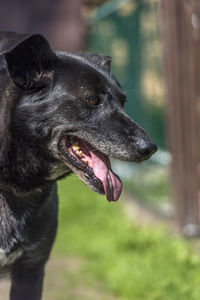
[91, 166]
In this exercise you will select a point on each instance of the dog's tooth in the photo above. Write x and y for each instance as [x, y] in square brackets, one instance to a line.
[75, 148]
[85, 160]
[79, 153]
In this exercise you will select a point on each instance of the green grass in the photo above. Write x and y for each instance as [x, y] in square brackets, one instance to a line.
[132, 262]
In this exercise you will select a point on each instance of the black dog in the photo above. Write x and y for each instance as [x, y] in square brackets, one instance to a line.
[59, 113]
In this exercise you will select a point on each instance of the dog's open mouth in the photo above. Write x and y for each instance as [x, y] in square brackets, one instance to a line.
[94, 164]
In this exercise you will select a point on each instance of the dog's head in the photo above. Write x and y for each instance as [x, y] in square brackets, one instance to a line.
[72, 107]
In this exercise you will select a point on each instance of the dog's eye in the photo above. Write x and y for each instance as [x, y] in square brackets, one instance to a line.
[93, 101]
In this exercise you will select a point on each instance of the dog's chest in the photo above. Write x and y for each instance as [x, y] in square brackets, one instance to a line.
[11, 234]
[7, 259]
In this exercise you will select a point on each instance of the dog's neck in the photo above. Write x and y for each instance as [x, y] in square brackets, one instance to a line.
[19, 175]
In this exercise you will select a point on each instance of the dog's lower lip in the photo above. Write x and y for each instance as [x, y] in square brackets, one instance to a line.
[95, 181]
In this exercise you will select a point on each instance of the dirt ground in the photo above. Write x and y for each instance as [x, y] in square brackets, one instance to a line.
[61, 282]
[4, 289]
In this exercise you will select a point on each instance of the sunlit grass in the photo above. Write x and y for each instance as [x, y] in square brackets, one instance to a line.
[132, 262]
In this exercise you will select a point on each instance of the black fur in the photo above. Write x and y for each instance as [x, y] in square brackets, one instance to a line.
[43, 98]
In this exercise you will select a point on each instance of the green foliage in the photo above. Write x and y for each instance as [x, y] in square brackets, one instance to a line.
[130, 35]
[133, 262]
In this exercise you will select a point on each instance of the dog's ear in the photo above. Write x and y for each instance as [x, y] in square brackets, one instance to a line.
[29, 59]
[102, 60]
[99, 60]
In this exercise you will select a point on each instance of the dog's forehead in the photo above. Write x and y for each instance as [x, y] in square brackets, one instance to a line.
[80, 76]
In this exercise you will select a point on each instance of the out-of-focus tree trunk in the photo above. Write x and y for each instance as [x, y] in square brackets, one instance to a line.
[59, 20]
[181, 37]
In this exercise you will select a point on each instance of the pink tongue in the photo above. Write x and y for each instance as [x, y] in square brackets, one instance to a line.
[102, 170]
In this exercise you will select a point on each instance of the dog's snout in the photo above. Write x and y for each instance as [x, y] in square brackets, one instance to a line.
[146, 148]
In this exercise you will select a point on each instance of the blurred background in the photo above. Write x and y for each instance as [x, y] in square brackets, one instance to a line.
[146, 245]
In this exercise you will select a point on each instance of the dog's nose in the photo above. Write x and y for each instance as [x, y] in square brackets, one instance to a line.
[146, 148]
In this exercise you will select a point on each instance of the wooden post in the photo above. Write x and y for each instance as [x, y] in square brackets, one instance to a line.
[181, 38]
